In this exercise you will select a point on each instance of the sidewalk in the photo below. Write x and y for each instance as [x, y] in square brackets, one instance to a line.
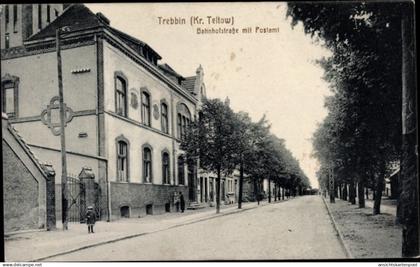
[39, 246]
[387, 206]
[366, 235]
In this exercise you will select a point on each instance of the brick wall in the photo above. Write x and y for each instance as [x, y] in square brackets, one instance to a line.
[137, 196]
[20, 194]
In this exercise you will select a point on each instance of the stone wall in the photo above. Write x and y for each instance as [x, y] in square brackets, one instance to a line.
[137, 196]
[20, 194]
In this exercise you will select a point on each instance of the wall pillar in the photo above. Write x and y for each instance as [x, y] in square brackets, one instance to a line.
[50, 203]
[87, 179]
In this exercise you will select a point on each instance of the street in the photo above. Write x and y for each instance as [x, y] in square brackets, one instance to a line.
[296, 229]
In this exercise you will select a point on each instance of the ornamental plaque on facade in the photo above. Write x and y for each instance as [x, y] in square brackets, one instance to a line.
[155, 111]
[51, 115]
[134, 100]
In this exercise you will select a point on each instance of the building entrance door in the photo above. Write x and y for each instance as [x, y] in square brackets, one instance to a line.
[201, 189]
[205, 190]
[191, 184]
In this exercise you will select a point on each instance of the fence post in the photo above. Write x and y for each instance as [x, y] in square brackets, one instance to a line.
[50, 204]
[87, 179]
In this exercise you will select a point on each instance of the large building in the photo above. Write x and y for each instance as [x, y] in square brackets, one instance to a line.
[19, 22]
[126, 112]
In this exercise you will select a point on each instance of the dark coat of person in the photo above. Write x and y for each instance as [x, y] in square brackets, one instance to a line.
[182, 202]
[90, 217]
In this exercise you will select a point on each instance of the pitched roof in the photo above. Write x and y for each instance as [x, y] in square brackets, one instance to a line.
[79, 17]
[165, 67]
[189, 83]
[23, 144]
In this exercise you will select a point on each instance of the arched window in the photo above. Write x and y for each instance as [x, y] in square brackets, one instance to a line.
[120, 96]
[183, 120]
[145, 108]
[164, 118]
[122, 161]
[165, 168]
[181, 170]
[147, 165]
[9, 95]
[179, 126]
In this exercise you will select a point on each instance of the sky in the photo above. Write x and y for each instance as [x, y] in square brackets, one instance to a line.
[262, 73]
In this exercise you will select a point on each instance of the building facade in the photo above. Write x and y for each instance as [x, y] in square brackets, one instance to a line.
[126, 113]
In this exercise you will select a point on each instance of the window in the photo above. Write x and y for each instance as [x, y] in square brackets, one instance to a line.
[39, 16]
[6, 14]
[145, 108]
[7, 41]
[181, 170]
[122, 161]
[121, 96]
[48, 14]
[183, 120]
[179, 125]
[147, 165]
[165, 168]
[9, 95]
[164, 118]
[15, 17]
[56, 13]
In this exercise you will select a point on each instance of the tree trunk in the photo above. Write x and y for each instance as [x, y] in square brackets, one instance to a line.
[339, 192]
[379, 187]
[332, 196]
[409, 197]
[218, 191]
[352, 193]
[275, 192]
[269, 190]
[256, 192]
[345, 192]
[361, 193]
[367, 193]
[282, 193]
[241, 182]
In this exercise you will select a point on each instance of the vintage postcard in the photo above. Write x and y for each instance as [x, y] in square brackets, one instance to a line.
[209, 131]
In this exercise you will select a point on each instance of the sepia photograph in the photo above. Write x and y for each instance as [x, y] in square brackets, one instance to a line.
[198, 131]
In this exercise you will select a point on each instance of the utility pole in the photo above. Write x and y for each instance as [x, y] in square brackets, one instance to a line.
[64, 189]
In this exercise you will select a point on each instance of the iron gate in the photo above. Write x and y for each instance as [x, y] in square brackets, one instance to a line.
[77, 199]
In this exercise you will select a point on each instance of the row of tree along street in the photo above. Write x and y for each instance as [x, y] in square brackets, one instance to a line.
[371, 125]
[221, 141]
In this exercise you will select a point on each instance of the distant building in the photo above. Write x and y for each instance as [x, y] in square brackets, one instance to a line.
[19, 22]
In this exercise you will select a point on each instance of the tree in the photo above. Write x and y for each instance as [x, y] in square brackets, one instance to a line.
[365, 38]
[243, 133]
[212, 140]
[362, 72]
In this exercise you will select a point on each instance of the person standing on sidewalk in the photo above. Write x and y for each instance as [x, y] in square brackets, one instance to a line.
[90, 219]
[176, 201]
[182, 201]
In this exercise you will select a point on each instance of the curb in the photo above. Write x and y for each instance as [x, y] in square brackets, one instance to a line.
[340, 235]
[151, 232]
